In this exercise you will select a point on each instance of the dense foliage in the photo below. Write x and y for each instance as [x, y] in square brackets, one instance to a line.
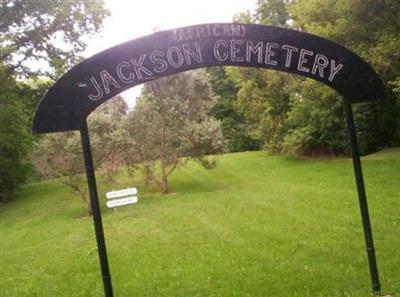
[183, 115]
[372, 30]
[46, 31]
[14, 136]
[232, 120]
[35, 35]
[301, 116]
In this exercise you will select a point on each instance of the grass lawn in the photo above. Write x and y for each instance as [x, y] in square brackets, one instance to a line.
[257, 225]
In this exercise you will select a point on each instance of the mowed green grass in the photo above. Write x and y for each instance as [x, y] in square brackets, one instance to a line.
[257, 225]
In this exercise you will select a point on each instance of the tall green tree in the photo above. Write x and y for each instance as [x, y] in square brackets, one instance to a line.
[371, 29]
[47, 34]
[312, 119]
[15, 137]
[52, 32]
[263, 96]
[315, 122]
[232, 121]
[272, 12]
[264, 100]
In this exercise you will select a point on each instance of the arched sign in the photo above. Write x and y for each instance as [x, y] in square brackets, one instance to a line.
[76, 94]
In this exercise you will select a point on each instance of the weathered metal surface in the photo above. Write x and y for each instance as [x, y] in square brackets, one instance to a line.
[77, 93]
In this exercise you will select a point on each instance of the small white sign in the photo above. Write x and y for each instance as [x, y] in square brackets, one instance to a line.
[121, 193]
[121, 202]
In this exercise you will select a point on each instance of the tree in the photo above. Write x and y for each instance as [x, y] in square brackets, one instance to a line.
[315, 122]
[264, 100]
[108, 137]
[310, 117]
[35, 32]
[263, 96]
[51, 31]
[272, 12]
[170, 123]
[15, 137]
[60, 154]
[232, 121]
[371, 29]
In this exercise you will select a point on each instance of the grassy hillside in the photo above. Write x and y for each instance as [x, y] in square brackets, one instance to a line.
[257, 225]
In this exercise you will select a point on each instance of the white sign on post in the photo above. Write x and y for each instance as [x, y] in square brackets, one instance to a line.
[126, 197]
[121, 202]
[121, 193]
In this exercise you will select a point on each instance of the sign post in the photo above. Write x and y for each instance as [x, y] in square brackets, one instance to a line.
[362, 198]
[122, 197]
[94, 203]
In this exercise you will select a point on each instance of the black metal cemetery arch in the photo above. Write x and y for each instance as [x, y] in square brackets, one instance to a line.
[68, 103]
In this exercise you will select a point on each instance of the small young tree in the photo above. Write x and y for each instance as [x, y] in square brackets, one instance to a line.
[171, 121]
[60, 154]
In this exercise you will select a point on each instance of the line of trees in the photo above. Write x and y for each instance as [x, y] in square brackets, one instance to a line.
[169, 125]
[281, 112]
[198, 113]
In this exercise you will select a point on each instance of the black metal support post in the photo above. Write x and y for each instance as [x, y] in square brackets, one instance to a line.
[376, 287]
[94, 201]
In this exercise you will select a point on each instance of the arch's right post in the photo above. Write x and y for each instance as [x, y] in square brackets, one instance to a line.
[362, 198]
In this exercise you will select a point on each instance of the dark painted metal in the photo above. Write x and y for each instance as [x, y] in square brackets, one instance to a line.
[94, 201]
[362, 197]
[87, 85]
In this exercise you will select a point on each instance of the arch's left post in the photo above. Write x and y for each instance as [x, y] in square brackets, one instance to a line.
[94, 202]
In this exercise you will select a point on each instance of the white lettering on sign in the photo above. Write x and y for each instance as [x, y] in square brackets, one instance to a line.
[124, 74]
[156, 57]
[334, 70]
[221, 54]
[236, 54]
[189, 54]
[192, 54]
[99, 90]
[121, 193]
[270, 52]
[303, 60]
[320, 64]
[289, 50]
[175, 57]
[139, 68]
[122, 201]
[254, 49]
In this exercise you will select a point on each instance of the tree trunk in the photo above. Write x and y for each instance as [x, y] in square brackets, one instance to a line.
[89, 209]
[164, 183]
[164, 176]
[6, 197]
